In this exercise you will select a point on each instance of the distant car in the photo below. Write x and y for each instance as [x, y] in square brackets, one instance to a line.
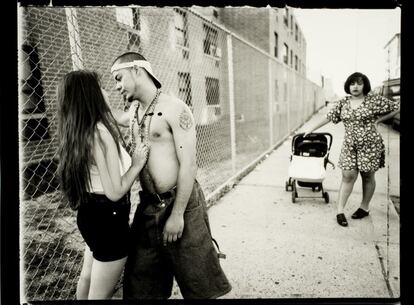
[396, 122]
[391, 89]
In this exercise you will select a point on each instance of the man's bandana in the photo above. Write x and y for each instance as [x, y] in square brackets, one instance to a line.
[137, 63]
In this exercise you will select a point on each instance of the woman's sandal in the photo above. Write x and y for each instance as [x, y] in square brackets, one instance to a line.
[340, 218]
[360, 213]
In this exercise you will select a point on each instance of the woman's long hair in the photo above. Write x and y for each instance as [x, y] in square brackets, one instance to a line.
[81, 105]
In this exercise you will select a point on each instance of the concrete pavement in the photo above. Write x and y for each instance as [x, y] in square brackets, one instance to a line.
[279, 249]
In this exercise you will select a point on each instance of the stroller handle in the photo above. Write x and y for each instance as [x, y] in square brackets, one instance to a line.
[310, 135]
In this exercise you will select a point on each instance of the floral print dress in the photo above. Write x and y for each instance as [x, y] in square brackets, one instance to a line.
[363, 147]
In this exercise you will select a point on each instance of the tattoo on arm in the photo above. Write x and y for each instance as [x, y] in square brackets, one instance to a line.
[185, 120]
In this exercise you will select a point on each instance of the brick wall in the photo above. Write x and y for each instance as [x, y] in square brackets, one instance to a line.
[46, 30]
[251, 23]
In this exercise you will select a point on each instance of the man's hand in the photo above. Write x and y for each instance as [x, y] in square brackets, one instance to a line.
[173, 228]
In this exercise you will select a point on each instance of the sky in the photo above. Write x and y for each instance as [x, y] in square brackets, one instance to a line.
[342, 41]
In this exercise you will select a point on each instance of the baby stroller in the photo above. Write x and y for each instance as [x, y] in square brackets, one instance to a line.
[308, 163]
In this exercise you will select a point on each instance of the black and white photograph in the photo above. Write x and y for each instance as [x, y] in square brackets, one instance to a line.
[208, 152]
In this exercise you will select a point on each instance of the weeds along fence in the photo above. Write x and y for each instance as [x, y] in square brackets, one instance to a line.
[244, 100]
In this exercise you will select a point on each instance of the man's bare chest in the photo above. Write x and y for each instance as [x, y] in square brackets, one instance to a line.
[153, 129]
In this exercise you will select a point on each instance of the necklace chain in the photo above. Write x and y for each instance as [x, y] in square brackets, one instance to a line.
[142, 127]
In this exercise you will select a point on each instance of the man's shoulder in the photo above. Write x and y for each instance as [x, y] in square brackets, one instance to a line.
[168, 101]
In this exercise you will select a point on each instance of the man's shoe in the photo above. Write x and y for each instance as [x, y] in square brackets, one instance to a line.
[360, 213]
[340, 218]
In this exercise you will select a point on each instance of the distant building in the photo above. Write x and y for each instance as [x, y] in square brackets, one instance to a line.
[392, 52]
[274, 30]
[330, 95]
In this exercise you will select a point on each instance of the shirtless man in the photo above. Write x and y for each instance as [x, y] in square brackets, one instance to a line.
[171, 232]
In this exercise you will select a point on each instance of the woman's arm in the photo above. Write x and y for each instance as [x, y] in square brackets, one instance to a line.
[318, 125]
[121, 117]
[386, 117]
[107, 160]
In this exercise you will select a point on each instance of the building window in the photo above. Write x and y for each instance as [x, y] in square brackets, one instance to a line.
[296, 62]
[136, 24]
[291, 24]
[276, 44]
[291, 58]
[35, 129]
[184, 87]
[296, 32]
[129, 17]
[31, 85]
[124, 16]
[210, 41]
[285, 53]
[180, 22]
[212, 91]
[286, 17]
[35, 124]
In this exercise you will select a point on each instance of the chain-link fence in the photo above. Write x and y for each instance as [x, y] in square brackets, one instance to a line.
[244, 102]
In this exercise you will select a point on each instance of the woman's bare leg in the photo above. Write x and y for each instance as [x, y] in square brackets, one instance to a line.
[82, 289]
[347, 184]
[368, 188]
[104, 277]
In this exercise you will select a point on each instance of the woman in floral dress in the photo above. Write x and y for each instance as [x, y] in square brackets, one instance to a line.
[363, 149]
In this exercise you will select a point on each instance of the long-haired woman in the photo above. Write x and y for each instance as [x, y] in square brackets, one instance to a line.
[96, 175]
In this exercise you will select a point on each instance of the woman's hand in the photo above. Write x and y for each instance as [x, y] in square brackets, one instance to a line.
[140, 155]
[306, 132]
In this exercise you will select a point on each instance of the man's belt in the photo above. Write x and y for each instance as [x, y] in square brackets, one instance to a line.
[157, 198]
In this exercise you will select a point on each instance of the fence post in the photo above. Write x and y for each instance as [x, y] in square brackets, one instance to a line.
[231, 102]
[270, 102]
[73, 32]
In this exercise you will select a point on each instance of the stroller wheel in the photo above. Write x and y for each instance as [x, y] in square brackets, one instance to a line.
[326, 196]
[287, 186]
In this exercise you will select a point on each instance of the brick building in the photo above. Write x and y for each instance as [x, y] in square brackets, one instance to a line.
[262, 83]
[392, 52]
[188, 49]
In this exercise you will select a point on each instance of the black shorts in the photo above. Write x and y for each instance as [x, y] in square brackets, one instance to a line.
[104, 226]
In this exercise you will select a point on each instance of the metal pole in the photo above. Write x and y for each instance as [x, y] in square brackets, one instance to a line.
[73, 32]
[231, 102]
[270, 102]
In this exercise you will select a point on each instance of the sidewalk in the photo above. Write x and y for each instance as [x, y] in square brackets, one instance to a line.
[279, 249]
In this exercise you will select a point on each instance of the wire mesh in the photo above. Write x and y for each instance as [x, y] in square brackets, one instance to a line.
[189, 54]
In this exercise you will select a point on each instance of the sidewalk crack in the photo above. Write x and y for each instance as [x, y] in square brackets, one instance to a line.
[384, 271]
